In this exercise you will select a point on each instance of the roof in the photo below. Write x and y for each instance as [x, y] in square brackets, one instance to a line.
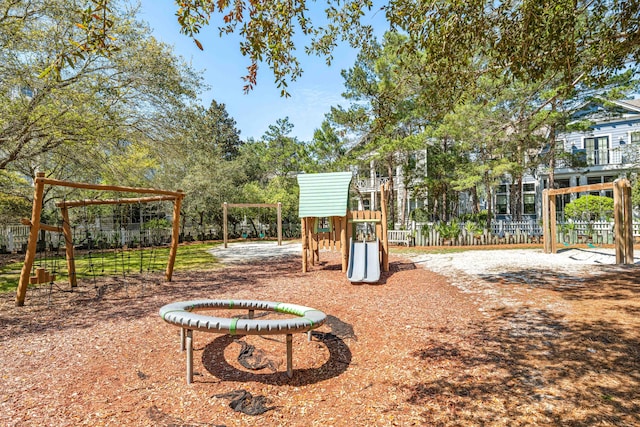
[324, 194]
[629, 104]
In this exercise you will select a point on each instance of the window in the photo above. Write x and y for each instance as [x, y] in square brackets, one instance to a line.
[635, 137]
[502, 188]
[594, 180]
[529, 204]
[501, 204]
[597, 150]
[529, 187]
[324, 226]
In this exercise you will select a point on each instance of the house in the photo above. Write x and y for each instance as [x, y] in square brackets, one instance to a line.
[608, 150]
[370, 175]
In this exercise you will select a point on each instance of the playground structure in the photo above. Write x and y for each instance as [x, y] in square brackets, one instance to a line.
[225, 211]
[36, 226]
[326, 223]
[182, 314]
[623, 216]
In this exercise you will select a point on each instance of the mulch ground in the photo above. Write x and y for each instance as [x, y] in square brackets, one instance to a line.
[539, 349]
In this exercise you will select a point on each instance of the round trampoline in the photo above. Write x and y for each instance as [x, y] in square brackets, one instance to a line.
[184, 314]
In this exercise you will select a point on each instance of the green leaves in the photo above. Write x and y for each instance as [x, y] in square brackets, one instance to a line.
[590, 208]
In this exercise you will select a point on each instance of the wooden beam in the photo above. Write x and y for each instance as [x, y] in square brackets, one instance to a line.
[119, 188]
[252, 205]
[53, 228]
[581, 189]
[90, 202]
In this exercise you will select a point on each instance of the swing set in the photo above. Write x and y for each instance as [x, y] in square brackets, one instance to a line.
[36, 226]
[225, 211]
[623, 216]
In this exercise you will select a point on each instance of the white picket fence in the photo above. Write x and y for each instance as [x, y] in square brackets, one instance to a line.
[508, 232]
[14, 238]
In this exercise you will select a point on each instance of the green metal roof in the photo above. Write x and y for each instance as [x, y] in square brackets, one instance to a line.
[324, 194]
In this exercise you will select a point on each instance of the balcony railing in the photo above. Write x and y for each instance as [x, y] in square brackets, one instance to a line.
[369, 184]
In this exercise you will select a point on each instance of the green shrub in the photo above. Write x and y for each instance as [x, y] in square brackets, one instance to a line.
[590, 208]
[450, 230]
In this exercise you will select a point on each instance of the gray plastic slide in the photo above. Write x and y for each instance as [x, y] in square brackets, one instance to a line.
[364, 262]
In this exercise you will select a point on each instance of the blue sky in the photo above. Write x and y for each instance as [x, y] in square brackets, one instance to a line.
[312, 95]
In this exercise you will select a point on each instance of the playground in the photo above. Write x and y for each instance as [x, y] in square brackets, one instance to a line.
[490, 337]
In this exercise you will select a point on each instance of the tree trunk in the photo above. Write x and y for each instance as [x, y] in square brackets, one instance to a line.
[515, 196]
[487, 184]
[394, 208]
[475, 201]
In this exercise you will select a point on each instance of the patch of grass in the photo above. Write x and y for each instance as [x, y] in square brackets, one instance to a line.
[120, 262]
[9, 276]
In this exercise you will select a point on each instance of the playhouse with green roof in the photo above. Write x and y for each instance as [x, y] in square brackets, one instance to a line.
[327, 222]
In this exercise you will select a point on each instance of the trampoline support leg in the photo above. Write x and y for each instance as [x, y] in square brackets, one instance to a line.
[182, 338]
[189, 356]
[289, 355]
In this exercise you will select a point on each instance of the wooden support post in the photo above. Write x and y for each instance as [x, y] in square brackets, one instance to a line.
[41, 274]
[310, 234]
[546, 235]
[553, 229]
[175, 236]
[628, 220]
[30, 255]
[279, 224]
[303, 233]
[68, 245]
[385, 233]
[619, 222]
[225, 230]
[345, 234]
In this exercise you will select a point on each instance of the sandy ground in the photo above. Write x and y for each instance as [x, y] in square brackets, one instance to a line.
[472, 262]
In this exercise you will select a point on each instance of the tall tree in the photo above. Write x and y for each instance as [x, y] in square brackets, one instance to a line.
[96, 107]
[326, 150]
[208, 161]
[283, 153]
